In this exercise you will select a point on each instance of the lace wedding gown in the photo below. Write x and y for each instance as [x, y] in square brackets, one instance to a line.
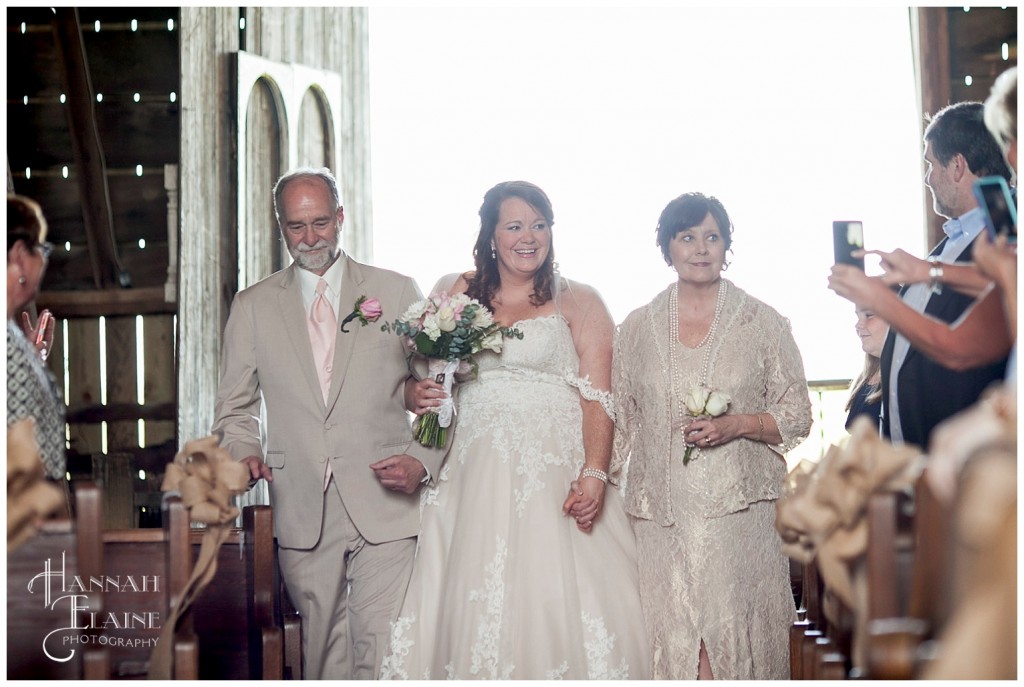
[505, 586]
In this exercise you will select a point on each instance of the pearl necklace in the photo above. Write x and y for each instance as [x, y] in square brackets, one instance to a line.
[673, 319]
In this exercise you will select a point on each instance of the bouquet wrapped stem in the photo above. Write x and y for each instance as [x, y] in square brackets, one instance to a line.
[429, 432]
[447, 330]
[690, 449]
[431, 429]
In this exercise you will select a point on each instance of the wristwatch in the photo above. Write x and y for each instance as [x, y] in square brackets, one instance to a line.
[935, 275]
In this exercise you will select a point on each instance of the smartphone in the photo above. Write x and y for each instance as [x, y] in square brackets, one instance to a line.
[848, 236]
[44, 321]
[998, 207]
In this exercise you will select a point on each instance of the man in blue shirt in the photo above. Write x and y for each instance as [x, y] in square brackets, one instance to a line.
[917, 392]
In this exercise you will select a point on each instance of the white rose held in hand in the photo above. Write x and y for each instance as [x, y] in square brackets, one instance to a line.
[717, 403]
[704, 402]
[696, 399]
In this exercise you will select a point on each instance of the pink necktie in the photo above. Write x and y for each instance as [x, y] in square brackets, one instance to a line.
[323, 325]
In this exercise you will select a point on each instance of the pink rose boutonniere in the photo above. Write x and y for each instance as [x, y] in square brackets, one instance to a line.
[366, 310]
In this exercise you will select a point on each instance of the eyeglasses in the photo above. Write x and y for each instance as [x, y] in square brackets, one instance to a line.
[46, 248]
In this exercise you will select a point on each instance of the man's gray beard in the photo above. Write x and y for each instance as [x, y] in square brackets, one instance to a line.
[311, 260]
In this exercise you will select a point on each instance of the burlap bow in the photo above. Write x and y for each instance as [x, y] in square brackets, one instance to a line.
[800, 518]
[30, 498]
[208, 479]
[823, 518]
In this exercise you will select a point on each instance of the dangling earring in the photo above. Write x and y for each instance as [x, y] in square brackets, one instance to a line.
[725, 265]
[493, 254]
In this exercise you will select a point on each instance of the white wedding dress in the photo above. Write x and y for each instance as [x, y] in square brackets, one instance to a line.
[504, 586]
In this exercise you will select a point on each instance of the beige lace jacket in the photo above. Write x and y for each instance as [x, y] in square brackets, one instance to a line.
[753, 358]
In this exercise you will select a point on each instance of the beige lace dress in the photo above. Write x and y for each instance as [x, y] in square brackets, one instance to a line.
[710, 562]
[504, 586]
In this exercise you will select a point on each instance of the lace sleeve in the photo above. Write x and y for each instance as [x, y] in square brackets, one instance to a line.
[625, 404]
[587, 391]
[592, 334]
[788, 401]
[592, 330]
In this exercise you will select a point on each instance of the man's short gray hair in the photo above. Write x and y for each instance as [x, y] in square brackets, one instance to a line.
[322, 173]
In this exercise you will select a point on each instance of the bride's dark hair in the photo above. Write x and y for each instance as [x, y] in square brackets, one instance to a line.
[484, 281]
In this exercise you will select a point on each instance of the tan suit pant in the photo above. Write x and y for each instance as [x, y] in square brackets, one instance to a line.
[348, 593]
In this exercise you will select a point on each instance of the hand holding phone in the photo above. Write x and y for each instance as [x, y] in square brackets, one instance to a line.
[42, 336]
[44, 321]
[847, 237]
[998, 206]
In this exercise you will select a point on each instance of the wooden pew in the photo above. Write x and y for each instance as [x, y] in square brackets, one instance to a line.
[799, 572]
[832, 659]
[291, 622]
[159, 564]
[239, 630]
[907, 568]
[67, 550]
[807, 627]
[819, 649]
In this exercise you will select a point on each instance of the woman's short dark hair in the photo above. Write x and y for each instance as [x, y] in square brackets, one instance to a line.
[686, 212]
[483, 283]
[25, 222]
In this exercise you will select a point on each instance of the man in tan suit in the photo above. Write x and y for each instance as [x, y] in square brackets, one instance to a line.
[343, 470]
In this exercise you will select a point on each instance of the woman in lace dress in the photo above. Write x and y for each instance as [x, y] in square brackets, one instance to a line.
[526, 564]
[713, 582]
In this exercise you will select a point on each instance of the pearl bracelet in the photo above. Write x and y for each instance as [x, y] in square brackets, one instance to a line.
[594, 472]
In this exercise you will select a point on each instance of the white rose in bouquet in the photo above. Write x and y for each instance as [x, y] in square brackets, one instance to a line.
[446, 319]
[696, 399]
[717, 403]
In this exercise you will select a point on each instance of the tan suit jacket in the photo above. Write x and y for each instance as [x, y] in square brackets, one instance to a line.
[267, 357]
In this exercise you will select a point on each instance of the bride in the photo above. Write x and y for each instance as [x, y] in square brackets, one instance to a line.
[515, 579]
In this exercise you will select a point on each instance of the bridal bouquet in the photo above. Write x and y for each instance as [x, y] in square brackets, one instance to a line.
[704, 402]
[448, 331]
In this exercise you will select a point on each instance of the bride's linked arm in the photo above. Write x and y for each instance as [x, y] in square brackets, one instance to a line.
[592, 332]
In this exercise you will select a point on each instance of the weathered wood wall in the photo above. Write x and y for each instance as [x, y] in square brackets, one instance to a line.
[332, 39]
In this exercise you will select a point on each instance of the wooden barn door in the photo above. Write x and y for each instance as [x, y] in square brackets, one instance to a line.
[288, 116]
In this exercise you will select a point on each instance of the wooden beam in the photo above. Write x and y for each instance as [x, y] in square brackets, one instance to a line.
[936, 89]
[122, 381]
[106, 302]
[121, 412]
[88, 151]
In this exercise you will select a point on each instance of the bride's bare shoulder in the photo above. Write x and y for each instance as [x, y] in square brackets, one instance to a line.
[579, 293]
[452, 283]
[579, 299]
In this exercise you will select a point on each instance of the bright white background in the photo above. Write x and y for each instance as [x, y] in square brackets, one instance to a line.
[792, 117]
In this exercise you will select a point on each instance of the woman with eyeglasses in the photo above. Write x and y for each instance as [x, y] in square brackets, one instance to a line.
[31, 389]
